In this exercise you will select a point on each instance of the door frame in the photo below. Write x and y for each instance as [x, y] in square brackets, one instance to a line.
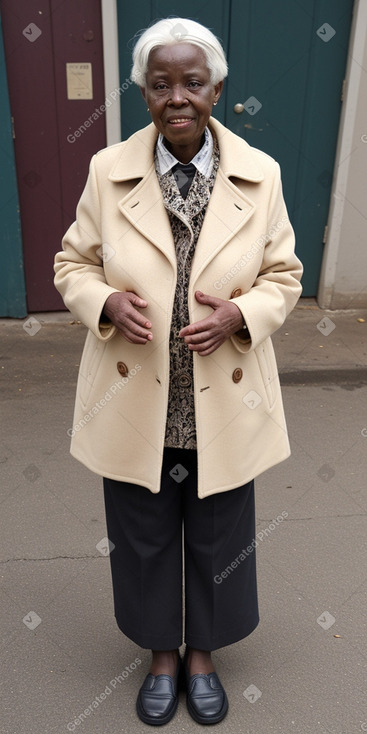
[111, 69]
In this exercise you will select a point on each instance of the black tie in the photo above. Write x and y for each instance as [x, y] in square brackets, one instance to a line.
[183, 175]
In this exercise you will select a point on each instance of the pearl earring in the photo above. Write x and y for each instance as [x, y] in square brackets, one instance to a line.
[215, 103]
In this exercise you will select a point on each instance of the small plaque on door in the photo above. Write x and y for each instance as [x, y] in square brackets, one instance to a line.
[79, 81]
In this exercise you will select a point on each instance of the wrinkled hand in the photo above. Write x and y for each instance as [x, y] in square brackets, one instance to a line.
[207, 335]
[121, 309]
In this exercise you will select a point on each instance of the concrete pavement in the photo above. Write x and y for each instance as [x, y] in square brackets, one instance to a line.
[304, 668]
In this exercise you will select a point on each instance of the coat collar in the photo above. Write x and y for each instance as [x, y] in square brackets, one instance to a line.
[137, 156]
[143, 205]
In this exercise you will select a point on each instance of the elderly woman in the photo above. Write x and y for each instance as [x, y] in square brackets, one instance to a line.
[181, 264]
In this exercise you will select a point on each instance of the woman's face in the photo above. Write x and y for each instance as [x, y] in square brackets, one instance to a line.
[180, 96]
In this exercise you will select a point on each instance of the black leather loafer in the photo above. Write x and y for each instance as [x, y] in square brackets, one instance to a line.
[207, 701]
[158, 697]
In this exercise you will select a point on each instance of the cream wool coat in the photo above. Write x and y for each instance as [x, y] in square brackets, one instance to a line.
[122, 241]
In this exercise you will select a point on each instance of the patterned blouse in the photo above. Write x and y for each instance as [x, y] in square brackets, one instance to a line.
[186, 218]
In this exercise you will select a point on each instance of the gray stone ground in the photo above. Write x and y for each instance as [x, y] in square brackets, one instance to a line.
[304, 668]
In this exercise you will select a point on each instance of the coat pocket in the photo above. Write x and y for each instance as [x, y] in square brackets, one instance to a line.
[268, 369]
[90, 362]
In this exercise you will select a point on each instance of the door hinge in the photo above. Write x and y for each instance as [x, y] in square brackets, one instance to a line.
[342, 94]
[12, 128]
[325, 235]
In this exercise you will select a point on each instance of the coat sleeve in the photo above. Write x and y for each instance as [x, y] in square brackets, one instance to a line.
[79, 272]
[277, 287]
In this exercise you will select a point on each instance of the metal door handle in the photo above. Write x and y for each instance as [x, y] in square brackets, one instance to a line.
[238, 108]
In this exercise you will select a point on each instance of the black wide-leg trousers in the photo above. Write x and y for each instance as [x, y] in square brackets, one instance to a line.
[220, 589]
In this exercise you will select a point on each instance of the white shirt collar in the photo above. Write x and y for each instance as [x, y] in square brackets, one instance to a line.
[203, 160]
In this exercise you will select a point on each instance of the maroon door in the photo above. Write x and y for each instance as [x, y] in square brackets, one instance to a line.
[59, 122]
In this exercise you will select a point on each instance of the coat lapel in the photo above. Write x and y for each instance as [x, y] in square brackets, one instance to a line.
[143, 206]
[228, 210]
[145, 210]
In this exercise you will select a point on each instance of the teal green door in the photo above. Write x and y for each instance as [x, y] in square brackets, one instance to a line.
[286, 68]
[12, 285]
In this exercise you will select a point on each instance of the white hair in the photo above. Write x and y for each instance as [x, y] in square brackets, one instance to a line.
[178, 30]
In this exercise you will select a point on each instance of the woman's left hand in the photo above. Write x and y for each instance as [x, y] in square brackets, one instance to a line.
[207, 335]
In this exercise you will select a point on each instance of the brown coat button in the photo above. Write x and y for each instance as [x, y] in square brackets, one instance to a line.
[236, 292]
[122, 368]
[237, 374]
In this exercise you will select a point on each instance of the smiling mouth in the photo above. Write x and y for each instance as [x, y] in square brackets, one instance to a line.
[180, 121]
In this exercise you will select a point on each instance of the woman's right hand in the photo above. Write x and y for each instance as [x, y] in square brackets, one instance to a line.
[121, 309]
